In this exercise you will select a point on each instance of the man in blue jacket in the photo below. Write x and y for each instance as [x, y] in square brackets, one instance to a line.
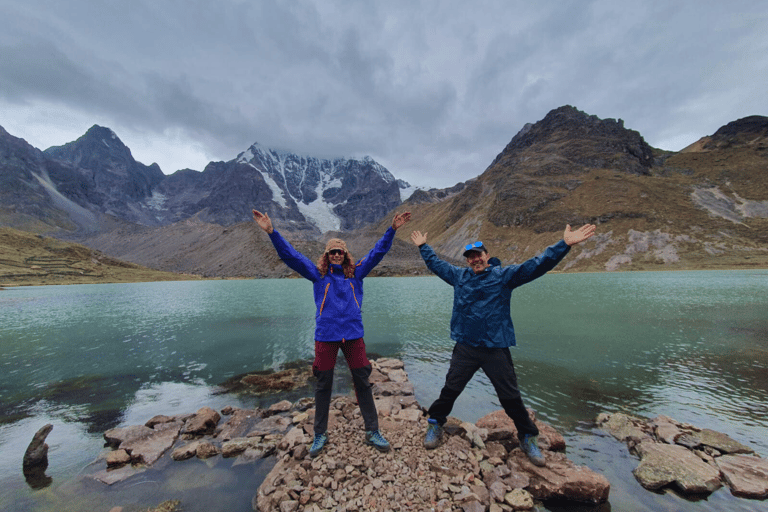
[338, 289]
[482, 328]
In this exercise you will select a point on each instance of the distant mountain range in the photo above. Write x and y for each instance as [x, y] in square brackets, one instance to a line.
[703, 207]
[89, 185]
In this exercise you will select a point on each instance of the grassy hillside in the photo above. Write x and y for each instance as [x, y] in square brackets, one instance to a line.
[28, 259]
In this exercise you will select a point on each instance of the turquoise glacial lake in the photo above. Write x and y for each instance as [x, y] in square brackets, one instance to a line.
[86, 358]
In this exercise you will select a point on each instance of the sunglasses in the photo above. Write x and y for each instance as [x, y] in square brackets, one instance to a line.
[475, 245]
[336, 252]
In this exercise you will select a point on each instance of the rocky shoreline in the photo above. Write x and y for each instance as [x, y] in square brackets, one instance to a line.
[479, 467]
[695, 461]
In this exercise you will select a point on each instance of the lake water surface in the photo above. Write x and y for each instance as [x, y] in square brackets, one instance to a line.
[86, 358]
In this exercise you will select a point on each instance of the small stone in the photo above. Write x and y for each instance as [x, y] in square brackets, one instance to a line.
[282, 406]
[519, 499]
[204, 422]
[206, 450]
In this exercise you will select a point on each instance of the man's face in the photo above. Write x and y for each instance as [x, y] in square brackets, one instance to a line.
[336, 256]
[478, 261]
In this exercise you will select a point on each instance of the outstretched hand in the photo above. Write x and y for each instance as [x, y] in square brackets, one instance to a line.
[400, 219]
[418, 238]
[263, 220]
[578, 236]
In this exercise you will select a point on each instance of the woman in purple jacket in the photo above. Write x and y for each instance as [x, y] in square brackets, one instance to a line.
[338, 290]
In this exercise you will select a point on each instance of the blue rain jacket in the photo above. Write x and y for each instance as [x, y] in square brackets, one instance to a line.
[481, 302]
[338, 300]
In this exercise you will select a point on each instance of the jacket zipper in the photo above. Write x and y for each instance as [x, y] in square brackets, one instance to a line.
[354, 296]
[322, 304]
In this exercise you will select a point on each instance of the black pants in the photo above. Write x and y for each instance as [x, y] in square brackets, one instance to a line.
[497, 365]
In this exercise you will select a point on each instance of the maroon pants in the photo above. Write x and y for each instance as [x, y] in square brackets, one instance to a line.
[325, 361]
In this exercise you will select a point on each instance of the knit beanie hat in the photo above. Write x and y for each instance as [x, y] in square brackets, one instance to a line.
[335, 243]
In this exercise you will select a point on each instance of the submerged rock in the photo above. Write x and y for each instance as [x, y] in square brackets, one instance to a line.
[145, 445]
[695, 461]
[296, 375]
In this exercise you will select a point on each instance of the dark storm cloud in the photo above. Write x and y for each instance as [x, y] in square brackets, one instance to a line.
[432, 89]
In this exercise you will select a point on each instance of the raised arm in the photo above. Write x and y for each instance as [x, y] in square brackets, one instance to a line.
[537, 266]
[440, 268]
[290, 256]
[365, 265]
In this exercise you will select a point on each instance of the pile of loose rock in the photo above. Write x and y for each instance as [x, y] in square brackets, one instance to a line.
[479, 466]
[696, 461]
[476, 468]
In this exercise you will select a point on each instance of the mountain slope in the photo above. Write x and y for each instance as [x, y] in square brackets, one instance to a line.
[700, 208]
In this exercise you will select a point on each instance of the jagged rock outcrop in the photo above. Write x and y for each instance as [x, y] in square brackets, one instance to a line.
[747, 131]
[545, 161]
[100, 174]
[583, 141]
[35, 460]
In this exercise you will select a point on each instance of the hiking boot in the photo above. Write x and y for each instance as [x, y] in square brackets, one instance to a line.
[375, 439]
[434, 435]
[530, 446]
[317, 445]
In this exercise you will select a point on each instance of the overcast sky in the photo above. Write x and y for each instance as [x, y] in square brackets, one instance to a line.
[432, 90]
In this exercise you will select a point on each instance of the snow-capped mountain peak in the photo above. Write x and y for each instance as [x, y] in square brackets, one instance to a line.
[333, 194]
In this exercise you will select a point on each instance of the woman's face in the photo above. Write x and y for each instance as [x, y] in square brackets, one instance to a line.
[336, 256]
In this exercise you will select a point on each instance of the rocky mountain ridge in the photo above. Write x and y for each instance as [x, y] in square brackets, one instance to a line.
[705, 207]
[94, 183]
